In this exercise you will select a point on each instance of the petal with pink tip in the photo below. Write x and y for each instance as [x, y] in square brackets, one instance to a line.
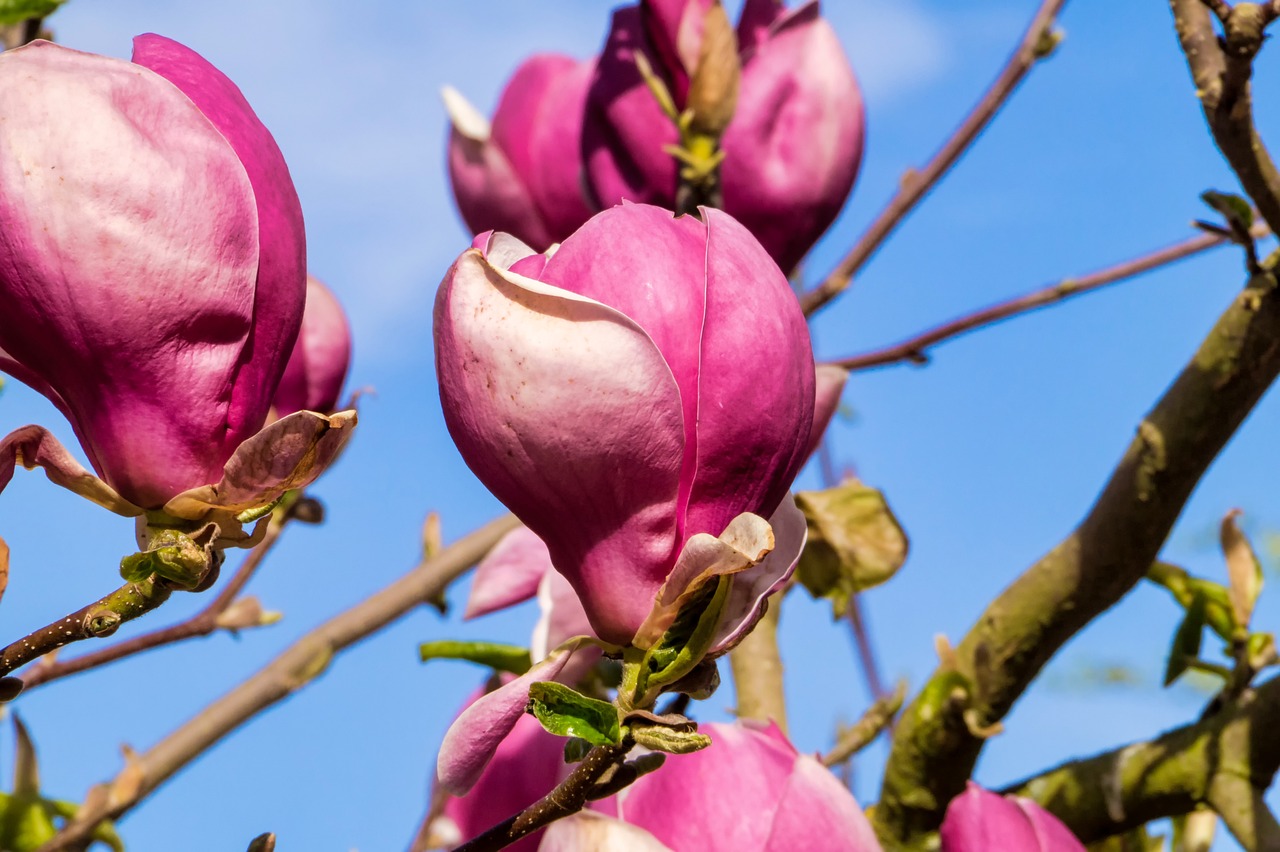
[281, 290]
[752, 589]
[128, 259]
[476, 734]
[288, 454]
[586, 831]
[564, 408]
[509, 574]
[33, 446]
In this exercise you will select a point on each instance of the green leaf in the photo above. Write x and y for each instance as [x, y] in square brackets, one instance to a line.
[855, 542]
[575, 749]
[1233, 208]
[567, 713]
[17, 11]
[1185, 587]
[495, 655]
[1186, 642]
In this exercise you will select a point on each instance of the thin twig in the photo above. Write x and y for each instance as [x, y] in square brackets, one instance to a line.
[914, 349]
[1037, 42]
[293, 669]
[201, 624]
[879, 716]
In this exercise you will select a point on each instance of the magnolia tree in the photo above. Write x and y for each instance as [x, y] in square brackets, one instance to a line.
[624, 360]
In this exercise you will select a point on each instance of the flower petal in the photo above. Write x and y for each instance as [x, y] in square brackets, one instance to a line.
[752, 588]
[509, 574]
[565, 409]
[313, 378]
[281, 291]
[587, 831]
[757, 17]
[128, 258]
[288, 454]
[816, 811]
[1052, 835]
[830, 381]
[34, 446]
[979, 820]
[475, 735]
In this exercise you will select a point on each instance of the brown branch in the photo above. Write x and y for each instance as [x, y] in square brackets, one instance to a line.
[1037, 42]
[293, 669]
[202, 623]
[1224, 760]
[938, 739]
[879, 717]
[914, 349]
[563, 801]
[16, 35]
[1222, 73]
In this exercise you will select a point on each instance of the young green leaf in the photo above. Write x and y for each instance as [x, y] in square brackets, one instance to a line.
[1186, 642]
[504, 658]
[567, 713]
[17, 11]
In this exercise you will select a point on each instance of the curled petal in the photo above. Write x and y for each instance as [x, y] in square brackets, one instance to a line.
[33, 446]
[746, 542]
[509, 574]
[752, 588]
[475, 735]
[288, 454]
[587, 831]
[550, 395]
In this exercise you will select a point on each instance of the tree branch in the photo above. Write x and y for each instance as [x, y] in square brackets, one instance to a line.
[201, 624]
[935, 747]
[1224, 760]
[1037, 42]
[757, 670]
[293, 669]
[914, 349]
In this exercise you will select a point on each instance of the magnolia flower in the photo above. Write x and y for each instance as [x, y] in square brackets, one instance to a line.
[315, 372]
[523, 173]
[645, 389]
[152, 280]
[981, 821]
[793, 147]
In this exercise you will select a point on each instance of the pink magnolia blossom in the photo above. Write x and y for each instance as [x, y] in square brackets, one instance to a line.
[632, 396]
[795, 142]
[750, 791]
[313, 377]
[979, 820]
[523, 173]
[151, 276]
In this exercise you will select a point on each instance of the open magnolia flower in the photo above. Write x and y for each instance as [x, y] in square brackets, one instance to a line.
[152, 280]
[603, 393]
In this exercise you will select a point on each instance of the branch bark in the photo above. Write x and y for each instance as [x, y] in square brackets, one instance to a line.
[293, 669]
[1225, 761]
[1037, 43]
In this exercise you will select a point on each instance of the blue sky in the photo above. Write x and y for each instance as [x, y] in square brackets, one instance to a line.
[989, 455]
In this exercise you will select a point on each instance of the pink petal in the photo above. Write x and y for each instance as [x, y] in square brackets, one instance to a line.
[1052, 835]
[474, 737]
[674, 28]
[313, 378]
[562, 618]
[509, 574]
[526, 766]
[489, 193]
[978, 821]
[288, 454]
[816, 811]
[548, 396]
[753, 424]
[757, 17]
[795, 143]
[33, 446]
[591, 832]
[828, 390]
[128, 258]
[753, 587]
[624, 130]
